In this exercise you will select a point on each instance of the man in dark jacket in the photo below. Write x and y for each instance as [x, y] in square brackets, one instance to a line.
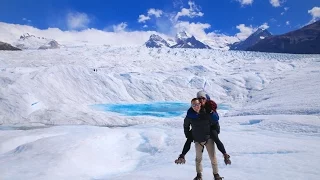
[200, 121]
[211, 107]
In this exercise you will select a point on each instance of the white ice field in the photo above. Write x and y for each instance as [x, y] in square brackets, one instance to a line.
[51, 130]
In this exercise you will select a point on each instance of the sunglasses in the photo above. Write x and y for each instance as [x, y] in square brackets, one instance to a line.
[202, 98]
[194, 105]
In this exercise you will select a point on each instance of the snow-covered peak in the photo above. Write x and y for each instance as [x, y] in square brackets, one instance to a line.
[29, 41]
[261, 32]
[26, 36]
[184, 40]
[253, 39]
[182, 35]
[156, 41]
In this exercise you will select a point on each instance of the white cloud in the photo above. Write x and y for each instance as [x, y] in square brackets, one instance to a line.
[25, 19]
[285, 10]
[315, 13]
[145, 26]
[76, 20]
[288, 23]
[273, 20]
[120, 27]
[245, 31]
[264, 26]
[245, 2]
[151, 12]
[156, 12]
[86, 36]
[195, 29]
[143, 18]
[193, 11]
[275, 3]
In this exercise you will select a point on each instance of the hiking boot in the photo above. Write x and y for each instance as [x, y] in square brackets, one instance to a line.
[227, 159]
[180, 160]
[198, 177]
[217, 177]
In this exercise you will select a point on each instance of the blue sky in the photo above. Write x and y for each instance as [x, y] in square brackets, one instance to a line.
[219, 16]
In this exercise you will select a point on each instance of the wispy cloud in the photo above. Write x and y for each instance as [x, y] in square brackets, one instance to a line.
[197, 29]
[245, 31]
[193, 11]
[275, 3]
[285, 10]
[77, 20]
[142, 18]
[177, 3]
[27, 20]
[245, 2]
[288, 23]
[264, 26]
[315, 13]
[120, 27]
[272, 20]
[151, 12]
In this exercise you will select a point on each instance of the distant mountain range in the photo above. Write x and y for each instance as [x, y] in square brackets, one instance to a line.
[251, 40]
[305, 40]
[8, 47]
[302, 41]
[182, 40]
[28, 41]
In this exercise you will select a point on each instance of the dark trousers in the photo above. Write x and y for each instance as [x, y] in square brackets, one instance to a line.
[215, 130]
[187, 144]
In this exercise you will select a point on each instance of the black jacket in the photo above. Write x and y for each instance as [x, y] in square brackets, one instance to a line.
[200, 124]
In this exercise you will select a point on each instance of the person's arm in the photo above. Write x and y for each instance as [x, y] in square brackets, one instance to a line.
[215, 116]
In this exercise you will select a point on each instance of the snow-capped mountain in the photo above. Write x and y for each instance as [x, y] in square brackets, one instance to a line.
[28, 41]
[182, 40]
[8, 47]
[182, 35]
[251, 40]
[305, 40]
[185, 41]
[155, 41]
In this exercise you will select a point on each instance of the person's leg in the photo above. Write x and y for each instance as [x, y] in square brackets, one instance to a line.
[199, 151]
[215, 138]
[185, 150]
[212, 155]
[186, 146]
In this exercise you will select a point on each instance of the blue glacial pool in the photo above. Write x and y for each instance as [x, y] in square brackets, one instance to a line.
[157, 109]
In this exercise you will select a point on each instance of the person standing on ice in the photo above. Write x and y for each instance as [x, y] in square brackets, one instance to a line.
[200, 121]
[210, 107]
